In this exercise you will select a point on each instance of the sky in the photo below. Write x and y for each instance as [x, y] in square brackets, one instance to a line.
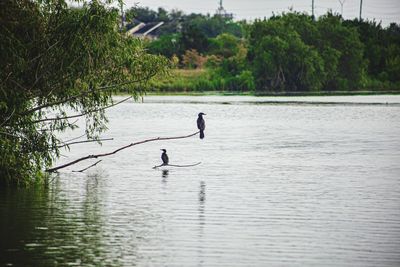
[385, 11]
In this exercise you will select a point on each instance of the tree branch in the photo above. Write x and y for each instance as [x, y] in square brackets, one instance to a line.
[75, 138]
[117, 150]
[82, 114]
[47, 50]
[8, 118]
[59, 102]
[61, 128]
[85, 141]
[94, 164]
[14, 135]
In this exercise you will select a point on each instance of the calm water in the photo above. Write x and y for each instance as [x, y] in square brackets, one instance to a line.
[280, 184]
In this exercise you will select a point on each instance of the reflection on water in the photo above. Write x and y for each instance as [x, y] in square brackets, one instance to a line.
[202, 192]
[164, 174]
[279, 185]
[49, 227]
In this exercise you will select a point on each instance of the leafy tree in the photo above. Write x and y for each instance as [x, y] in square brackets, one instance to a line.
[215, 25]
[351, 64]
[193, 60]
[162, 15]
[381, 48]
[225, 45]
[303, 24]
[393, 52]
[55, 61]
[193, 38]
[143, 14]
[281, 60]
[392, 63]
[373, 37]
[166, 45]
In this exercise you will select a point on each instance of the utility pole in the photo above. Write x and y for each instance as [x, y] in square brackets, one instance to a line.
[360, 9]
[312, 12]
[341, 6]
[220, 9]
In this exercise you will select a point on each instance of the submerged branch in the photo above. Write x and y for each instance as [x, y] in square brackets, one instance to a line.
[94, 164]
[173, 165]
[117, 150]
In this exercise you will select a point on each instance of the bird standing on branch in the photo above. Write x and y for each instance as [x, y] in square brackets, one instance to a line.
[164, 157]
[201, 124]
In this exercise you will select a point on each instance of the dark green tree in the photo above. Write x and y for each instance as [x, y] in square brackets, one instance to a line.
[342, 41]
[166, 45]
[193, 38]
[143, 14]
[281, 60]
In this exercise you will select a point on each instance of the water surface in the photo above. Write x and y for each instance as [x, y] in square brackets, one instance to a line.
[303, 182]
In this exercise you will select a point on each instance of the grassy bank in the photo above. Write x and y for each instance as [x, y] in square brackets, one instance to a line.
[202, 82]
[181, 81]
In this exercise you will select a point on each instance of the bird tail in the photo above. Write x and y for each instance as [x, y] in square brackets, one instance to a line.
[201, 134]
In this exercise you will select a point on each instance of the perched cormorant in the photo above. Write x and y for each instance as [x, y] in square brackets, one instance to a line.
[164, 157]
[201, 125]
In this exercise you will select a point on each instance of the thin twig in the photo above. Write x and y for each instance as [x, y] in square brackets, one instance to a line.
[14, 135]
[94, 164]
[48, 49]
[8, 118]
[59, 102]
[82, 114]
[117, 150]
[85, 141]
[173, 165]
[75, 138]
[61, 128]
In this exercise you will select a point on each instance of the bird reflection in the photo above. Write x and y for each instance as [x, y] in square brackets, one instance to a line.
[164, 174]
[202, 222]
[202, 192]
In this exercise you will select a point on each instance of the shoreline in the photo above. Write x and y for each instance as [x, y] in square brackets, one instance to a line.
[269, 94]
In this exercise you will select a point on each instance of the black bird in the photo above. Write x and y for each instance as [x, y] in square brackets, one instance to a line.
[164, 157]
[201, 124]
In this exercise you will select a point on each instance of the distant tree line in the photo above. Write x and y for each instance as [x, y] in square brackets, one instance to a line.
[287, 52]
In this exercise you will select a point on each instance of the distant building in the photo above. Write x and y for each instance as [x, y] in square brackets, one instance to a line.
[144, 30]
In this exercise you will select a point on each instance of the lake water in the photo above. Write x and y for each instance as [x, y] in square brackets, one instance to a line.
[300, 181]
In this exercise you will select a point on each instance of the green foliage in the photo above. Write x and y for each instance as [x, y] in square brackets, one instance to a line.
[281, 60]
[183, 80]
[193, 38]
[351, 64]
[143, 14]
[380, 46]
[193, 60]
[166, 45]
[392, 63]
[55, 60]
[288, 52]
[214, 26]
[224, 45]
